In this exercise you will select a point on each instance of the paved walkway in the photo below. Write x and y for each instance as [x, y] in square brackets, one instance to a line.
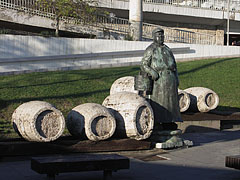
[204, 161]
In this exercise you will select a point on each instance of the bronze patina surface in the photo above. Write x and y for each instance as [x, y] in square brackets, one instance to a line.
[158, 65]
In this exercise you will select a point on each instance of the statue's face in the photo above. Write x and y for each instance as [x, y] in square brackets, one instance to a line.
[159, 38]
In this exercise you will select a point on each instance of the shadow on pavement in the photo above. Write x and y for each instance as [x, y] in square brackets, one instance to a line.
[160, 170]
[216, 136]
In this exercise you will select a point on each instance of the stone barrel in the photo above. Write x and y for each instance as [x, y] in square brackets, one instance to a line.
[92, 120]
[134, 115]
[38, 121]
[123, 84]
[126, 84]
[202, 99]
[184, 100]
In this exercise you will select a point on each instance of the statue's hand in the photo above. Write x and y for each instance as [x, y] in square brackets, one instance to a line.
[154, 75]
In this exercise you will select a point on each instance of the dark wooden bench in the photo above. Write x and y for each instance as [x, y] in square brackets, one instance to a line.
[233, 162]
[53, 165]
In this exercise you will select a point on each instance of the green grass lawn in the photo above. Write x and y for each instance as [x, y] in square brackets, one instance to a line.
[67, 89]
[220, 75]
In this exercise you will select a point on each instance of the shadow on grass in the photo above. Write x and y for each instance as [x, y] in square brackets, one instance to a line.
[106, 72]
[3, 104]
[43, 84]
[5, 127]
[77, 95]
[205, 66]
[87, 75]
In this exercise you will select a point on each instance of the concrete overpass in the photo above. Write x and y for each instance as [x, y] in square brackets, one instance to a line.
[205, 16]
[20, 12]
[202, 24]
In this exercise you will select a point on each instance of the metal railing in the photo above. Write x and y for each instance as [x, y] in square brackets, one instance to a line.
[113, 24]
[27, 6]
[178, 35]
[205, 4]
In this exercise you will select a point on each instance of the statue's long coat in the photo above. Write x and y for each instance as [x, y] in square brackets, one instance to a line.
[164, 96]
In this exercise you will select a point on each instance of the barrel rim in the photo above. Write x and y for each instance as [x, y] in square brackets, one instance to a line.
[202, 105]
[91, 135]
[62, 124]
[186, 107]
[151, 123]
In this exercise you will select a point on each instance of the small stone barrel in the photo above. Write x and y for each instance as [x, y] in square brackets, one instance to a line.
[202, 99]
[134, 115]
[184, 100]
[38, 121]
[92, 120]
[123, 84]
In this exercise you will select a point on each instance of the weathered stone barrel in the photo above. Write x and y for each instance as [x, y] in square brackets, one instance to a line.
[38, 121]
[134, 115]
[126, 84]
[202, 99]
[184, 100]
[92, 120]
[123, 84]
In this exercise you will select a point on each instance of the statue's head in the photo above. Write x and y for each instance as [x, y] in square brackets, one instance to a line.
[158, 36]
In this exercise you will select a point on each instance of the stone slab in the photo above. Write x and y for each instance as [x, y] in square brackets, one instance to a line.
[67, 145]
[211, 121]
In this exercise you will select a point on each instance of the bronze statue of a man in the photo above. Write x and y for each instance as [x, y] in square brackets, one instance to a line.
[159, 67]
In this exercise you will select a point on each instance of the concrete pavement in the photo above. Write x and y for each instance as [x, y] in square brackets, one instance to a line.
[204, 161]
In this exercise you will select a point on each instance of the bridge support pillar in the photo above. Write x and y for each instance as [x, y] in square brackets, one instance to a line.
[135, 19]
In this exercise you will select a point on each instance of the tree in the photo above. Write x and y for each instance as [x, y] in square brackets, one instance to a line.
[84, 11]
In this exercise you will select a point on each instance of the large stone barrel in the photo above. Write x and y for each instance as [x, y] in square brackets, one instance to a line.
[126, 84]
[38, 121]
[134, 115]
[123, 84]
[202, 99]
[92, 120]
[184, 100]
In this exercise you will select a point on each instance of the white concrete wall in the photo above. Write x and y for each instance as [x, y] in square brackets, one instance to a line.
[12, 46]
[27, 46]
[32, 53]
[205, 51]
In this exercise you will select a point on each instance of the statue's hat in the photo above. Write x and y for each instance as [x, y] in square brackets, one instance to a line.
[158, 29]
